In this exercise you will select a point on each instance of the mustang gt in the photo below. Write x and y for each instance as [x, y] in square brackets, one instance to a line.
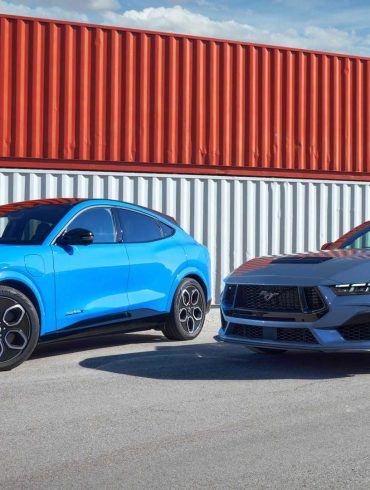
[70, 266]
[318, 301]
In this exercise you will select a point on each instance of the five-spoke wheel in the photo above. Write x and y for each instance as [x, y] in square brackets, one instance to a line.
[188, 311]
[19, 328]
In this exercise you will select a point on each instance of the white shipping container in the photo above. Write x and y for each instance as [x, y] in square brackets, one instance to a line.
[238, 218]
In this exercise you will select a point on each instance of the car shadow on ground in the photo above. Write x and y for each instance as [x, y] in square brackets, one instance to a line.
[70, 345]
[227, 362]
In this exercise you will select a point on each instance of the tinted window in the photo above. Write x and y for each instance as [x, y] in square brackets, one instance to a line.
[359, 240]
[30, 225]
[99, 221]
[138, 227]
[166, 230]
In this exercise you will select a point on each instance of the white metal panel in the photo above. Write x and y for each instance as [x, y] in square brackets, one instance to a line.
[237, 218]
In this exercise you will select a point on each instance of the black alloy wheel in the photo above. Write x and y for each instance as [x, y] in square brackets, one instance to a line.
[188, 312]
[19, 328]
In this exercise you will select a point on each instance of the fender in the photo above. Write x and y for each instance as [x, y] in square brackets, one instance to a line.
[188, 271]
[9, 275]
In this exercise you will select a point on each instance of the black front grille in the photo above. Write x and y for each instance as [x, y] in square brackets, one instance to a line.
[268, 298]
[292, 303]
[300, 335]
[355, 332]
[247, 331]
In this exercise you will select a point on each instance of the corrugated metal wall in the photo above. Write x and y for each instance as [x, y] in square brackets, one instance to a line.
[237, 219]
[78, 96]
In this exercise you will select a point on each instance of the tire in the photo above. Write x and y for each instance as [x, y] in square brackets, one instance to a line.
[19, 328]
[266, 350]
[188, 312]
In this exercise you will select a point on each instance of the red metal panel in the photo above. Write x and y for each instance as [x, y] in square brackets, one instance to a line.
[95, 97]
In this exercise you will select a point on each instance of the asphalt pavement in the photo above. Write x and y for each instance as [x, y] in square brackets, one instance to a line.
[136, 411]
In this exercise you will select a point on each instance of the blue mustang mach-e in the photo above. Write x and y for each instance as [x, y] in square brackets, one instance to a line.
[70, 266]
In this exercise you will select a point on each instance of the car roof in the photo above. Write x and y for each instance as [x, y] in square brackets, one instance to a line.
[15, 206]
[8, 208]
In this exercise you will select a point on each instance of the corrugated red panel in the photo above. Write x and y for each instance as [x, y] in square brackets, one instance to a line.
[94, 97]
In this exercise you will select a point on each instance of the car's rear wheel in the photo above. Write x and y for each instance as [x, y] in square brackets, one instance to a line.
[188, 312]
[19, 328]
[265, 350]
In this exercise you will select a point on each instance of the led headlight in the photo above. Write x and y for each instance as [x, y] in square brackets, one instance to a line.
[350, 289]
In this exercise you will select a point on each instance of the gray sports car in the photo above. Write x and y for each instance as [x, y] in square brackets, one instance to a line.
[317, 301]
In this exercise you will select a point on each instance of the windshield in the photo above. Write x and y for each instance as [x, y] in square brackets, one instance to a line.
[29, 225]
[358, 238]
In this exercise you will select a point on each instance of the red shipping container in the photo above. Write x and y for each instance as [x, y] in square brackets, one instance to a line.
[76, 96]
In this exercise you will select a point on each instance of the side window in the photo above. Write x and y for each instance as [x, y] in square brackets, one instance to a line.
[166, 230]
[138, 227]
[363, 241]
[98, 220]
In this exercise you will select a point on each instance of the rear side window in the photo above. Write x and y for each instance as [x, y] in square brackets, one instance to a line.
[139, 227]
[166, 230]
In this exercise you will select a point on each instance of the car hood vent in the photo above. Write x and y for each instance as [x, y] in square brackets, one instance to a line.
[301, 260]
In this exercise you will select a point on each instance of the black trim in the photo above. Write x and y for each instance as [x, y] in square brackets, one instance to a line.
[359, 318]
[124, 322]
[300, 260]
[208, 307]
[154, 218]
[274, 316]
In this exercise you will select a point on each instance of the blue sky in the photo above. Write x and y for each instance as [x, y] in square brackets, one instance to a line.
[339, 26]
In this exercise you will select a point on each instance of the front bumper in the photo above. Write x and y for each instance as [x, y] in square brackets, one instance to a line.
[344, 327]
[334, 346]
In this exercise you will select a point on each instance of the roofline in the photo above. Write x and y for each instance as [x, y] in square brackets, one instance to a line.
[74, 201]
[159, 214]
[182, 36]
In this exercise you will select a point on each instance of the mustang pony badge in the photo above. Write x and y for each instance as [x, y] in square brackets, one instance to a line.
[268, 296]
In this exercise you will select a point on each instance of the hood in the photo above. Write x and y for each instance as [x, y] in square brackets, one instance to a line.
[326, 267]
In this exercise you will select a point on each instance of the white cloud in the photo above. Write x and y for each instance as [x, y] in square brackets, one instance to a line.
[178, 19]
[181, 20]
[52, 12]
[72, 5]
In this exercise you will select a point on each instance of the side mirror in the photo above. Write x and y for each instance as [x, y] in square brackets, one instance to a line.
[77, 236]
[327, 246]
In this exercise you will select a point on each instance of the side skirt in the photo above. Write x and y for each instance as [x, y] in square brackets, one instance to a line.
[107, 326]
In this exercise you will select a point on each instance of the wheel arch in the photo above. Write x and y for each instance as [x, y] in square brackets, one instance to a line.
[27, 291]
[192, 274]
[199, 279]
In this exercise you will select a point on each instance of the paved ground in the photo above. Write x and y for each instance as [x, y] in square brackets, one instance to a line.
[137, 411]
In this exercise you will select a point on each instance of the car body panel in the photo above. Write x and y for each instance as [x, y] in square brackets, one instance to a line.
[77, 285]
[320, 270]
[13, 268]
[81, 271]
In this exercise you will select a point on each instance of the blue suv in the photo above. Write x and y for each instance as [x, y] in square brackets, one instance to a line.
[72, 265]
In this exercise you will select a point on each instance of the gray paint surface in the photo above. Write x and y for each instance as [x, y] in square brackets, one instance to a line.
[237, 218]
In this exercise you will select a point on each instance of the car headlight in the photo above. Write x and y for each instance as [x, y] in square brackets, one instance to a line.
[349, 289]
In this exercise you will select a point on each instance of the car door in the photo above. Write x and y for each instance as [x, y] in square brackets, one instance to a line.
[91, 280]
[155, 255]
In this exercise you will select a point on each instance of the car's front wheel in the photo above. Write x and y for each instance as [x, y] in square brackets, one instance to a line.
[19, 328]
[188, 312]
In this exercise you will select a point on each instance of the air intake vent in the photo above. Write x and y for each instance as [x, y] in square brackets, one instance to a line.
[301, 260]
[355, 332]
